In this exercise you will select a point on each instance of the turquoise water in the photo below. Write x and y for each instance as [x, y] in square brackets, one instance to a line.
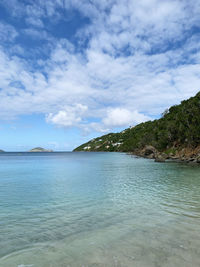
[97, 209]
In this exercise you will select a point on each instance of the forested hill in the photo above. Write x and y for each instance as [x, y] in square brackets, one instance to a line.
[178, 128]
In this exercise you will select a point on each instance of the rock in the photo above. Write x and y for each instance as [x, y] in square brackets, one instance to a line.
[192, 160]
[159, 158]
[151, 156]
[149, 150]
[175, 157]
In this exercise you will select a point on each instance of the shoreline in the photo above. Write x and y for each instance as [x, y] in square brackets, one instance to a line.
[179, 155]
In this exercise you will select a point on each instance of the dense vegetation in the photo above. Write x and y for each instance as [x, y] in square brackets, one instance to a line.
[178, 127]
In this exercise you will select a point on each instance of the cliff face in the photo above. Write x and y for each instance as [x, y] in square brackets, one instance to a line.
[176, 134]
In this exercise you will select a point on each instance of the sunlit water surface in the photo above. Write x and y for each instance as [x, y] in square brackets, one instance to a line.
[97, 209]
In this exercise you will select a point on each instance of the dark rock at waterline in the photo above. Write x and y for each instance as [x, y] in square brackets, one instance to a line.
[192, 159]
[159, 158]
[149, 150]
[198, 159]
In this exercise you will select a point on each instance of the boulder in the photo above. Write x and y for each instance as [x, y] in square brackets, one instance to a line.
[159, 158]
[198, 159]
[149, 151]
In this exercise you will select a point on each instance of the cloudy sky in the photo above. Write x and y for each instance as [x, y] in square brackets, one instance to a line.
[71, 70]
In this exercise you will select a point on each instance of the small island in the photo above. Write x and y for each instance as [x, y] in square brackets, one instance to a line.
[1, 151]
[40, 149]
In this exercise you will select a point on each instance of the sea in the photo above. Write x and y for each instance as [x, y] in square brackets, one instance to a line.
[98, 209]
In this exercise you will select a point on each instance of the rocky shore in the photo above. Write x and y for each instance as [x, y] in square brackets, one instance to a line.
[187, 155]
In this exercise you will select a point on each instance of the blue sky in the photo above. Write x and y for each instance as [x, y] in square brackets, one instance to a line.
[71, 70]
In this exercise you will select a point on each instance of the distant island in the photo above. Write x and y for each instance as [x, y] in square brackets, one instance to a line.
[176, 135]
[1, 151]
[40, 149]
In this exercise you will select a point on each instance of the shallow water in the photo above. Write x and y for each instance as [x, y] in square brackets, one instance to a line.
[97, 209]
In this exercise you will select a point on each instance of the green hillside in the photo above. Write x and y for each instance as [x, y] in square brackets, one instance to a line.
[179, 127]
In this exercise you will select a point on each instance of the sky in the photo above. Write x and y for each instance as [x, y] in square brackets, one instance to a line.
[72, 70]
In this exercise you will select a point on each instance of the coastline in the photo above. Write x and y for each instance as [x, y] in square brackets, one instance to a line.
[180, 155]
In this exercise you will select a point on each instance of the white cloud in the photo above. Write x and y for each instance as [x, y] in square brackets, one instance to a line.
[140, 59]
[7, 32]
[119, 117]
[35, 22]
[69, 117]
[37, 34]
